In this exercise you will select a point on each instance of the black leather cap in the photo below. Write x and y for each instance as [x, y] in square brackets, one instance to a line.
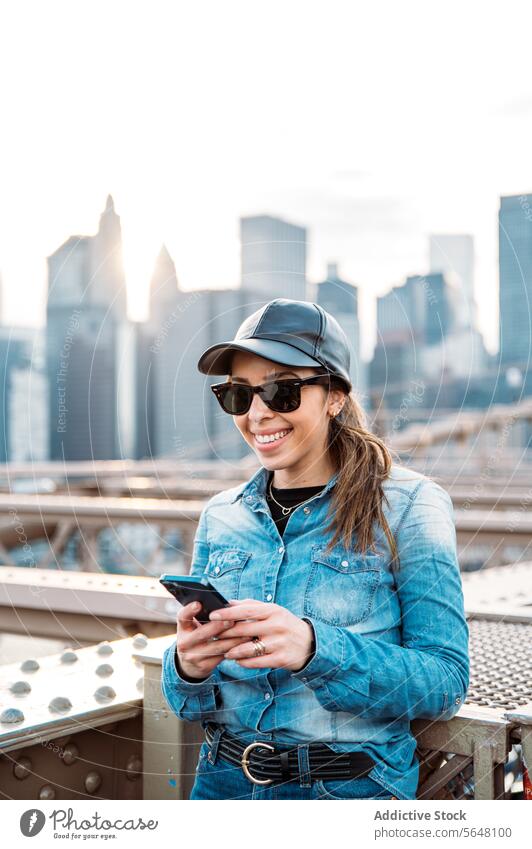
[295, 333]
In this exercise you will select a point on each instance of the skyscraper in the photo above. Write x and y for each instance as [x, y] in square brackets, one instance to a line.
[88, 345]
[515, 280]
[273, 257]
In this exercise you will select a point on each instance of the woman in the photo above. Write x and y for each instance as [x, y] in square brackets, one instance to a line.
[337, 633]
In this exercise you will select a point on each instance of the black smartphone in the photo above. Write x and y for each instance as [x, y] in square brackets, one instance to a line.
[186, 589]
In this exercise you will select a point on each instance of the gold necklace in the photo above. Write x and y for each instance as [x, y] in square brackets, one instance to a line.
[287, 510]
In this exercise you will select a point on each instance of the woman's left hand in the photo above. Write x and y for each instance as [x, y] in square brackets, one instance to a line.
[288, 639]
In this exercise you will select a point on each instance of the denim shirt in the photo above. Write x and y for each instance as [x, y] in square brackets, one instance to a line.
[391, 643]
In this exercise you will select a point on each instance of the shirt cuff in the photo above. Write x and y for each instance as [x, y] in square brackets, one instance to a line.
[328, 656]
[175, 680]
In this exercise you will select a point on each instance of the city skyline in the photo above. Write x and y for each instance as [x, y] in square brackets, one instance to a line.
[142, 315]
[372, 151]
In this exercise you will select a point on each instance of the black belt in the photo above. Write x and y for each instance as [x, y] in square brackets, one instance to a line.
[274, 763]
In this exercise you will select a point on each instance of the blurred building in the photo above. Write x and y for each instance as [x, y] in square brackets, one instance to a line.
[414, 322]
[340, 298]
[273, 257]
[454, 256]
[89, 347]
[23, 392]
[515, 280]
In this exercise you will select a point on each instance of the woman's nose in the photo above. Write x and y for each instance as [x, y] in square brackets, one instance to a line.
[258, 408]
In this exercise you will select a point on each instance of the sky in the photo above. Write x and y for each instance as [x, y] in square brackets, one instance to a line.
[373, 125]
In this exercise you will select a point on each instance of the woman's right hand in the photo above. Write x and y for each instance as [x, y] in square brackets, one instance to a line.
[197, 652]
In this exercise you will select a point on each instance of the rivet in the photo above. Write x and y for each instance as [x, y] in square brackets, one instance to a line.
[69, 657]
[104, 669]
[22, 768]
[30, 665]
[345, 563]
[104, 694]
[60, 704]
[70, 754]
[140, 641]
[47, 792]
[92, 782]
[133, 767]
[11, 715]
[104, 648]
[20, 688]
[216, 569]
[306, 510]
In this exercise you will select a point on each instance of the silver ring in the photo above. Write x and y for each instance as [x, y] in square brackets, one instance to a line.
[215, 638]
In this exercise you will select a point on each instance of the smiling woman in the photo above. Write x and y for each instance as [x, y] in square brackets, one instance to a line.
[337, 635]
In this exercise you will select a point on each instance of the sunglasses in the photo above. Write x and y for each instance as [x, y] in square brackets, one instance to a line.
[283, 395]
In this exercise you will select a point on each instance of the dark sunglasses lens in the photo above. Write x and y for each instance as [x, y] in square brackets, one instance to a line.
[235, 399]
[282, 397]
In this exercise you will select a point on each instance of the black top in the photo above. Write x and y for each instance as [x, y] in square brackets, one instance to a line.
[288, 498]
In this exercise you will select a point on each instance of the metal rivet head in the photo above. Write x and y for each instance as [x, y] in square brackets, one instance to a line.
[140, 641]
[30, 665]
[70, 754]
[104, 648]
[104, 669]
[133, 767]
[69, 657]
[457, 700]
[104, 694]
[92, 782]
[60, 704]
[216, 569]
[11, 716]
[345, 563]
[47, 792]
[20, 688]
[22, 768]
[306, 510]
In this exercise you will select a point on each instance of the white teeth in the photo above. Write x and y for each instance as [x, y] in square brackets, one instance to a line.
[271, 437]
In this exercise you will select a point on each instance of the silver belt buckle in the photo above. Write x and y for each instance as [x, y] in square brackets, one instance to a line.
[245, 762]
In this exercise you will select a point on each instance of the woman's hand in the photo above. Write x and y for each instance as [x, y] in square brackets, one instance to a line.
[197, 652]
[288, 639]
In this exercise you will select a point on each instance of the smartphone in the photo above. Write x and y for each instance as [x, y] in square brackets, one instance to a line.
[186, 589]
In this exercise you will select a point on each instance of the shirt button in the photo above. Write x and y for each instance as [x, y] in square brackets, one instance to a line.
[281, 549]
[306, 510]
[216, 569]
[269, 597]
[249, 498]
[345, 563]
[266, 695]
[304, 679]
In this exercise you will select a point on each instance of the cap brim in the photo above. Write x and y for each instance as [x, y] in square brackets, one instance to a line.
[217, 359]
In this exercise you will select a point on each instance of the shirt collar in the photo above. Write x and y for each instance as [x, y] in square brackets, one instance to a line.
[256, 485]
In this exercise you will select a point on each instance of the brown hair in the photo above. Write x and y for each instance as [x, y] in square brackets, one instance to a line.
[363, 462]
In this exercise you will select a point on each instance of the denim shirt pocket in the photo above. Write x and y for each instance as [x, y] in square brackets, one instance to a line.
[341, 586]
[224, 569]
